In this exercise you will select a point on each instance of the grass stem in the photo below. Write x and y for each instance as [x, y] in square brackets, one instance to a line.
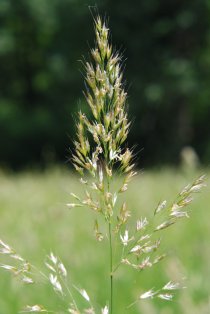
[111, 269]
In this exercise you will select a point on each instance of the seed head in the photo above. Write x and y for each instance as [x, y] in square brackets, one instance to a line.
[34, 308]
[148, 294]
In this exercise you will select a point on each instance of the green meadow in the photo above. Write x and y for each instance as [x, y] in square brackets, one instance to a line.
[35, 220]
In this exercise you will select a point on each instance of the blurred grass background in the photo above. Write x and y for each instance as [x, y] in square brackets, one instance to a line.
[35, 220]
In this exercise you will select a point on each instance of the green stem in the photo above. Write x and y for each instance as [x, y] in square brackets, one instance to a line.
[111, 269]
[110, 256]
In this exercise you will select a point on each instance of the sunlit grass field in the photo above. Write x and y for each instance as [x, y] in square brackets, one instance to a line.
[35, 220]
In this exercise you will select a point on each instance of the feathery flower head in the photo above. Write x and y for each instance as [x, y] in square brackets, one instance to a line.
[106, 98]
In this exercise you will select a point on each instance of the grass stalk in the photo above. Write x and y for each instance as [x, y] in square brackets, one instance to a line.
[111, 269]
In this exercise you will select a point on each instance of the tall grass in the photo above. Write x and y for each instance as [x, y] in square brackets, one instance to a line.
[35, 220]
[131, 242]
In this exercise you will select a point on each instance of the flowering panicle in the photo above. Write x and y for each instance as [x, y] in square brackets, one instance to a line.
[56, 277]
[105, 95]
[18, 266]
[99, 147]
[176, 210]
[100, 151]
[164, 293]
[144, 244]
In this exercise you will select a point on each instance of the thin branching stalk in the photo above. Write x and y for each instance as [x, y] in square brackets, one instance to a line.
[111, 270]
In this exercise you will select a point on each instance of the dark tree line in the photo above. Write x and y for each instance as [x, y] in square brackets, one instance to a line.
[167, 49]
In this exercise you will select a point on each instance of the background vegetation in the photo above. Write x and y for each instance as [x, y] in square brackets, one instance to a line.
[35, 220]
[167, 50]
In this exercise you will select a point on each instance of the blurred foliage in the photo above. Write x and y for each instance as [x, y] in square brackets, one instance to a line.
[167, 50]
[36, 221]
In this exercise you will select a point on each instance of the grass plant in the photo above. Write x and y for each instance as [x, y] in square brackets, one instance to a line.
[106, 167]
